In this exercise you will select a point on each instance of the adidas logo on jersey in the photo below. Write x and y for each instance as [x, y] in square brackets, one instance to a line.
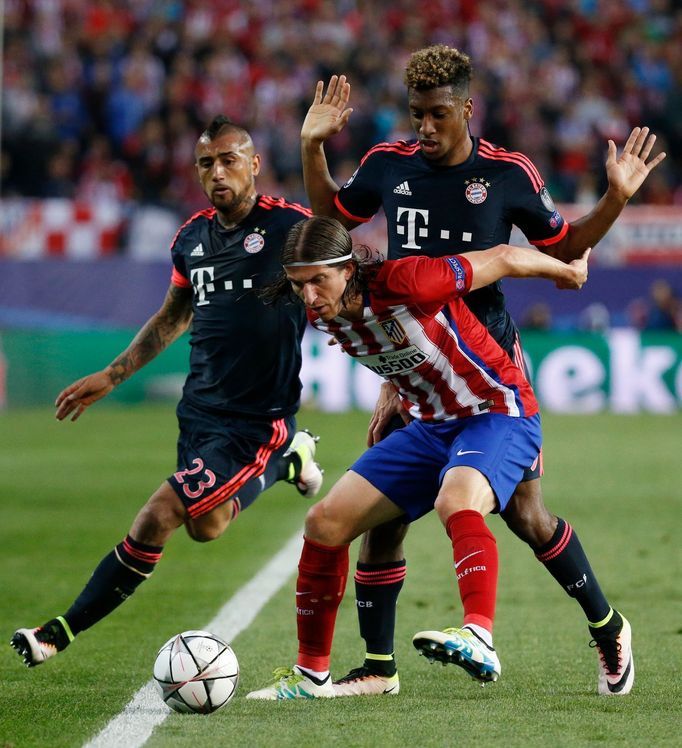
[198, 251]
[402, 189]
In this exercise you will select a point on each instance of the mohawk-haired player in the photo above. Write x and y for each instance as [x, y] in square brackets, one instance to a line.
[447, 191]
[236, 416]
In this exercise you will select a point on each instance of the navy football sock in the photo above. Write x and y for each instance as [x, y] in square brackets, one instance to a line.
[114, 580]
[566, 561]
[377, 587]
[609, 626]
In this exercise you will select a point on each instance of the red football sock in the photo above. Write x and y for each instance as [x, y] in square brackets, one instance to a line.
[322, 574]
[476, 564]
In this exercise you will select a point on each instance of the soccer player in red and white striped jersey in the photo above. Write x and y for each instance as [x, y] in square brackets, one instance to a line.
[475, 429]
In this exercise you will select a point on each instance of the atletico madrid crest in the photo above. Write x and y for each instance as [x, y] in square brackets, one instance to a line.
[394, 330]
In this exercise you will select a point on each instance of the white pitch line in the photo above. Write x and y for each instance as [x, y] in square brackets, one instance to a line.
[145, 711]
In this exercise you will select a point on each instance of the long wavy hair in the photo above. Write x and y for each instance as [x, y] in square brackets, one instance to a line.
[322, 238]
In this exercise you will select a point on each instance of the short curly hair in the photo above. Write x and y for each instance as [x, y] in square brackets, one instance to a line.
[437, 66]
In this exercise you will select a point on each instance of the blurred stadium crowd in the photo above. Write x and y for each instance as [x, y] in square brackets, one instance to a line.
[104, 99]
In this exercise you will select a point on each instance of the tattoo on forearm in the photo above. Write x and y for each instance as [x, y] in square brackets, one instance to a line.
[120, 369]
[157, 334]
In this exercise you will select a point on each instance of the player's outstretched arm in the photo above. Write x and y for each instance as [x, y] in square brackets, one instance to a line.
[626, 174]
[508, 261]
[328, 115]
[160, 330]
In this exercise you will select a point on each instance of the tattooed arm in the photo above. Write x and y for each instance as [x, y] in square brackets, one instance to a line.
[160, 330]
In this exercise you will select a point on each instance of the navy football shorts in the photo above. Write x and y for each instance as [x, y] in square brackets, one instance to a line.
[222, 457]
[408, 465]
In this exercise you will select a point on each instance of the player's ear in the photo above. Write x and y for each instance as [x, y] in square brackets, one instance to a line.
[468, 108]
[255, 164]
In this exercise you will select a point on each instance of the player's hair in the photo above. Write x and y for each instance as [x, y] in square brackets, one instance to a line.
[220, 123]
[437, 66]
[321, 238]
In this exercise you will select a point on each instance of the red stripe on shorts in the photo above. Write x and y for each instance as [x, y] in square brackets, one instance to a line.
[252, 470]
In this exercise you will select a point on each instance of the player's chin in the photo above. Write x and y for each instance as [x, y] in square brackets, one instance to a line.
[222, 198]
[324, 313]
[431, 151]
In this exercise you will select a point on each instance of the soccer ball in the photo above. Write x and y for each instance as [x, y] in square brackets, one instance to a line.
[196, 671]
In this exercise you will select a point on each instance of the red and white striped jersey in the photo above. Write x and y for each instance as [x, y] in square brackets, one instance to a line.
[417, 333]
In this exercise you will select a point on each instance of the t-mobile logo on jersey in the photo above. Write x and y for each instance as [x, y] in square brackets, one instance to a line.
[409, 225]
[414, 224]
[203, 283]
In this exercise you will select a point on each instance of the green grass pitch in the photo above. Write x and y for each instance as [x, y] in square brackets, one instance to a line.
[68, 493]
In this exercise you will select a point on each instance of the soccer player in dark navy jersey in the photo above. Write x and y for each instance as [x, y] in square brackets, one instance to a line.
[243, 360]
[236, 416]
[471, 205]
[443, 192]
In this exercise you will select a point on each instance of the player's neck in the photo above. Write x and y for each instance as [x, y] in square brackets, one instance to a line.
[460, 153]
[353, 310]
[233, 218]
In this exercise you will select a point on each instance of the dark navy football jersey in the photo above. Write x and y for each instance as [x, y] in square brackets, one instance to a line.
[245, 355]
[442, 210]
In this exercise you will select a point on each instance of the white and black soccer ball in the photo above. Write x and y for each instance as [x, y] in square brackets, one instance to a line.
[196, 671]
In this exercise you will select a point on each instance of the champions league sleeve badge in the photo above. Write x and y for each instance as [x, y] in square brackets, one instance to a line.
[352, 177]
[547, 200]
[458, 270]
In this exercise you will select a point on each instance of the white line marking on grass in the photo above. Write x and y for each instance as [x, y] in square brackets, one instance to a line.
[145, 711]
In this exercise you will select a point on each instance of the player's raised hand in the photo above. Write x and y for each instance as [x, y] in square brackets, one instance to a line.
[84, 392]
[627, 172]
[329, 112]
[579, 276]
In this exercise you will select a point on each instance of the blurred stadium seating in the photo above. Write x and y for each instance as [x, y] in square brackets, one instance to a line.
[102, 102]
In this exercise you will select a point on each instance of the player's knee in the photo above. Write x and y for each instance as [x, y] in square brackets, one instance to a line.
[527, 516]
[317, 524]
[321, 527]
[447, 504]
[203, 532]
[212, 525]
[207, 527]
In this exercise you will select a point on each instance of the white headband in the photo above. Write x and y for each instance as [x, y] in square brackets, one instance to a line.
[331, 261]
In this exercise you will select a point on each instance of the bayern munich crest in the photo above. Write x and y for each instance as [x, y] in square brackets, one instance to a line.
[254, 243]
[476, 190]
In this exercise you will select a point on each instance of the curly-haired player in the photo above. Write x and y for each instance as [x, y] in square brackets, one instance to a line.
[448, 191]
